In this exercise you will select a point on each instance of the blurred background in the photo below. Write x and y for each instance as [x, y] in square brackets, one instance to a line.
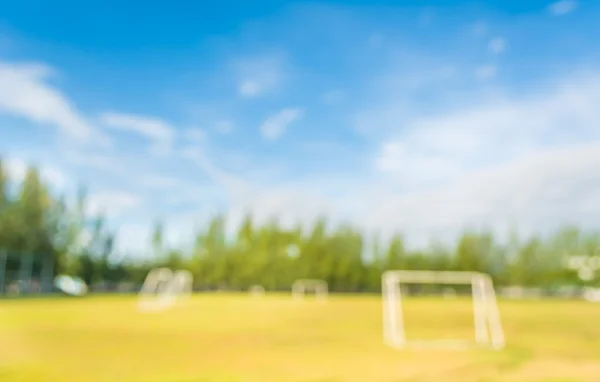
[255, 144]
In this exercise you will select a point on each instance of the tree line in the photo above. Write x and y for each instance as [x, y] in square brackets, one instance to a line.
[55, 228]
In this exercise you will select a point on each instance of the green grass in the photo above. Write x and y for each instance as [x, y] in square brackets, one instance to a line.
[233, 338]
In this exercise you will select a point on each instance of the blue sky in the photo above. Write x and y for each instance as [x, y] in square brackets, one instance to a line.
[423, 117]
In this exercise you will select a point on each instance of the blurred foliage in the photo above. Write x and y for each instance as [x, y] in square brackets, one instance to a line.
[33, 221]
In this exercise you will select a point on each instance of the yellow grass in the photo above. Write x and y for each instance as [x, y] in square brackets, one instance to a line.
[217, 337]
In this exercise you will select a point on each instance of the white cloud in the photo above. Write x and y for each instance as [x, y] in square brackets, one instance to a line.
[289, 204]
[25, 92]
[414, 170]
[112, 203]
[17, 169]
[94, 160]
[161, 149]
[152, 128]
[562, 7]
[486, 72]
[259, 75]
[157, 130]
[497, 45]
[232, 184]
[118, 166]
[510, 127]
[54, 176]
[276, 125]
[250, 88]
[516, 160]
[195, 135]
[500, 162]
[538, 192]
[195, 194]
[157, 181]
[134, 239]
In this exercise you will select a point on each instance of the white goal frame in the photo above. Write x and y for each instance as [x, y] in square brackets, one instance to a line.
[488, 328]
[256, 291]
[320, 287]
[181, 284]
[163, 287]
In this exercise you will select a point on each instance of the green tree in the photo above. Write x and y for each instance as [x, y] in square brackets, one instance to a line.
[472, 252]
[4, 200]
[157, 239]
[396, 254]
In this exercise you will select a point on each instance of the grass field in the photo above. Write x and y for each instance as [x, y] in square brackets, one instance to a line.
[217, 337]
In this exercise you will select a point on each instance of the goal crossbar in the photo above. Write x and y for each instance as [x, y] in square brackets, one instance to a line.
[320, 288]
[488, 328]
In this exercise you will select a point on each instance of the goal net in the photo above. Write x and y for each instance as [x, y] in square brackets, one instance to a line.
[488, 328]
[163, 287]
[319, 287]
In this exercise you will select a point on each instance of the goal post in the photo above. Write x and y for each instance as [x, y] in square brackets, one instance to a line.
[26, 273]
[181, 284]
[486, 316]
[256, 291]
[162, 287]
[319, 287]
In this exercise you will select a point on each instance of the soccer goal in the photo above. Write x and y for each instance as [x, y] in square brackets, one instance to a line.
[181, 284]
[319, 287]
[591, 294]
[162, 287]
[488, 328]
[257, 291]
